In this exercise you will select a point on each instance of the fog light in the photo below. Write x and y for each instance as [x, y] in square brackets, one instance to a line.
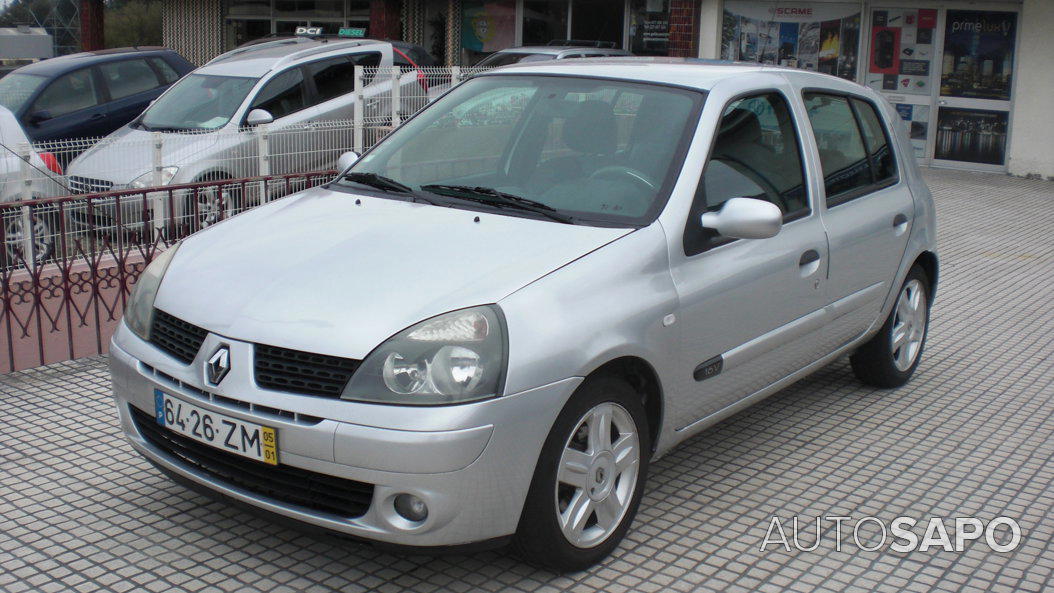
[411, 508]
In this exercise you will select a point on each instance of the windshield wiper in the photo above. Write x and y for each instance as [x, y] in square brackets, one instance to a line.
[383, 183]
[493, 197]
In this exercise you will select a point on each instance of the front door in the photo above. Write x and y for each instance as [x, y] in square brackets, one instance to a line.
[751, 310]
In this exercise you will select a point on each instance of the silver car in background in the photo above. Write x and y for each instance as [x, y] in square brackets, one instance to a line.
[487, 327]
[295, 85]
[44, 176]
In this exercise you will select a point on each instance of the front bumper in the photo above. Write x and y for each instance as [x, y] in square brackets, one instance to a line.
[472, 464]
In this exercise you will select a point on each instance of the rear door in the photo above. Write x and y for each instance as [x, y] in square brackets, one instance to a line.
[131, 85]
[867, 211]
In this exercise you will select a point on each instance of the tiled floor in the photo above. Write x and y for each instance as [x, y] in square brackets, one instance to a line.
[971, 435]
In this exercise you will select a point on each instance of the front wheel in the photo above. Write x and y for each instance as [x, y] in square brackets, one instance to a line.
[209, 205]
[589, 478]
[892, 355]
[40, 236]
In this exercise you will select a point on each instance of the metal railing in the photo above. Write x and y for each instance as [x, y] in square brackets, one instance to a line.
[67, 305]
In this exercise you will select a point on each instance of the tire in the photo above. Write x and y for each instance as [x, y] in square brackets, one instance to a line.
[606, 485]
[41, 236]
[210, 209]
[882, 363]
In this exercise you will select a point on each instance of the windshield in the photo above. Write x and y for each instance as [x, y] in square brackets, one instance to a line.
[601, 151]
[197, 102]
[16, 89]
[504, 58]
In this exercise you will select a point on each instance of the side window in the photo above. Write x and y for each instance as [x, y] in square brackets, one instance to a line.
[370, 61]
[842, 156]
[332, 78]
[165, 70]
[756, 154]
[283, 95]
[128, 77]
[877, 141]
[68, 93]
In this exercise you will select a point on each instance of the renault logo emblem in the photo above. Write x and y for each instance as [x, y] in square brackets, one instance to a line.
[218, 365]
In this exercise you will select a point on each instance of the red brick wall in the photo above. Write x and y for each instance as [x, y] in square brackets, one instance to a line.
[684, 28]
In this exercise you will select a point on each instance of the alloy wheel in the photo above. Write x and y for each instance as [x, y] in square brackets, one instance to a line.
[909, 325]
[597, 475]
[40, 237]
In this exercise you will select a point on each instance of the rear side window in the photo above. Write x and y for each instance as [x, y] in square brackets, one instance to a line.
[332, 78]
[128, 77]
[165, 70]
[68, 93]
[756, 154]
[876, 139]
[283, 95]
[853, 147]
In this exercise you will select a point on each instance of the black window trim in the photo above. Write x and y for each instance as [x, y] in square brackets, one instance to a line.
[807, 212]
[858, 192]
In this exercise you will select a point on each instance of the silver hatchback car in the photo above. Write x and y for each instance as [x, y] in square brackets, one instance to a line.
[487, 327]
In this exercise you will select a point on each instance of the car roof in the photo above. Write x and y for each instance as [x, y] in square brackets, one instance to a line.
[63, 64]
[559, 49]
[258, 59]
[688, 72]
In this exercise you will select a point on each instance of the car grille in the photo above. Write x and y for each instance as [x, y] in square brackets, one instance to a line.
[291, 485]
[302, 372]
[85, 185]
[176, 337]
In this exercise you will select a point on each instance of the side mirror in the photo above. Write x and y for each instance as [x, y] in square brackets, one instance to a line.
[745, 218]
[346, 160]
[39, 116]
[259, 116]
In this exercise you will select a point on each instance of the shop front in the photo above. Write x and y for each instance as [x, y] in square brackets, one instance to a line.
[645, 27]
[947, 67]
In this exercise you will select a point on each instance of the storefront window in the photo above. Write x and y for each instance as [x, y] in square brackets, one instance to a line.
[309, 8]
[597, 20]
[544, 20]
[249, 8]
[819, 36]
[649, 28]
[241, 31]
[486, 27]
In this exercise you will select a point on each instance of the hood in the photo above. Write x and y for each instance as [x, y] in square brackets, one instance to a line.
[128, 153]
[318, 273]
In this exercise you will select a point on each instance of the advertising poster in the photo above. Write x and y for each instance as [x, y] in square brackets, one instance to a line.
[814, 36]
[901, 57]
[978, 54]
[917, 120]
[488, 26]
[971, 135]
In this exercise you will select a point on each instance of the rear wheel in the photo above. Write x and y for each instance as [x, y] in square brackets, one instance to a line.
[891, 357]
[589, 478]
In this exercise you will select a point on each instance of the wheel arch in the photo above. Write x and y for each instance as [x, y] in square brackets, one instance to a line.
[927, 260]
[641, 375]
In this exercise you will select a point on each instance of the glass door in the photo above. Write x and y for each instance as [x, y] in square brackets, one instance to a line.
[948, 72]
[902, 65]
[973, 105]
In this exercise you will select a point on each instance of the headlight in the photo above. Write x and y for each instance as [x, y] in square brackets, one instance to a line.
[139, 313]
[147, 179]
[453, 358]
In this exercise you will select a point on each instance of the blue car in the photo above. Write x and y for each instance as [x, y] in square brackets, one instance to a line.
[89, 94]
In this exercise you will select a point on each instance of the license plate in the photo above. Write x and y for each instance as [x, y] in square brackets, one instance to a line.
[218, 430]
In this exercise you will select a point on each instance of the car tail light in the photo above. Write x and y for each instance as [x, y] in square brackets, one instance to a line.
[422, 80]
[51, 162]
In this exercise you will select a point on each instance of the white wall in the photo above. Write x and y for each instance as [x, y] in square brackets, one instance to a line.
[1032, 134]
[711, 13]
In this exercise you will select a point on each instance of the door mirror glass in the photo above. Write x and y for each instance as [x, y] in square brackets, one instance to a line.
[346, 160]
[745, 218]
[259, 116]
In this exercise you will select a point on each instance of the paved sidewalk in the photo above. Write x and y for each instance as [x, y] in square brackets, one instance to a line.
[971, 435]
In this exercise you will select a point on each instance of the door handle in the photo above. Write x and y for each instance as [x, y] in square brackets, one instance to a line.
[97, 116]
[809, 257]
[900, 219]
